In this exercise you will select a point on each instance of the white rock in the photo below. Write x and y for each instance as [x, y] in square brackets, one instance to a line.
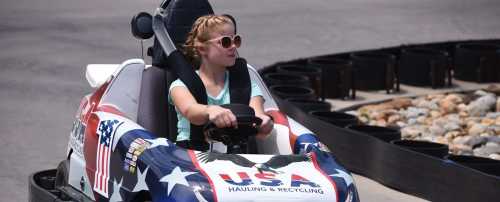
[394, 118]
[421, 119]
[413, 112]
[412, 132]
[452, 126]
[482, 105]
[462, 107]
[461, 140]
[494, 156]
[477, 129]
[435, 114]
[455, 98]
[437, 130]
[460, 149]
[401, 124]
[481, 92]
[472, 141]
[487, 150]
[412, 121]
[492, 144]
[432, 105]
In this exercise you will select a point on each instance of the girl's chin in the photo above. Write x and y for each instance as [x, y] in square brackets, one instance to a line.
[231, 62]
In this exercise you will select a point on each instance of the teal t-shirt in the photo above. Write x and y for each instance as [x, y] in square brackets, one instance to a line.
[183, 125]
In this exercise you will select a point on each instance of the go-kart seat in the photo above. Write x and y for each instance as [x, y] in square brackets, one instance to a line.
[152, 112]
[155, 113]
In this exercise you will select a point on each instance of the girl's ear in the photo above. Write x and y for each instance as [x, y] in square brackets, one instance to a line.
[202, 50]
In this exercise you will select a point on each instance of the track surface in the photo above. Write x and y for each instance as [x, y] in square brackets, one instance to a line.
[46, 45]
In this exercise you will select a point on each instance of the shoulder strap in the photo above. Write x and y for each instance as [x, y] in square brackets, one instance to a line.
[239, 82]
[193, 82]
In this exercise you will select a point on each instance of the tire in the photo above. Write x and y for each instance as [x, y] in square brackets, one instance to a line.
[62, 174]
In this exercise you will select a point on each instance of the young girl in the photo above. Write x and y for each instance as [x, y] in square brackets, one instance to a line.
[212, 44]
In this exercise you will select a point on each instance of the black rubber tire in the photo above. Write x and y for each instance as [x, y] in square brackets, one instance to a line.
[310, 105]
[339, 119]
[287, 91]
[430, 148]
[383, 133]
[62, 174]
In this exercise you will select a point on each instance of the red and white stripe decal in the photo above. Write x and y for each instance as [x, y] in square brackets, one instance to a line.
[192, 155]
[102, 174]
[104, 150]
[315, 161]
[282, 119]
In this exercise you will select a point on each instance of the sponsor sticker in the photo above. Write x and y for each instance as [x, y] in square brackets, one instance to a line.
[287, 177]
[135, 150]
[77, 137]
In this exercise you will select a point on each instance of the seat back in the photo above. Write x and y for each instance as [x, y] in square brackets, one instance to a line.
[152, 111]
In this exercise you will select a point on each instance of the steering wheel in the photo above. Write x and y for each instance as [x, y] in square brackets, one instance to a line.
[235, 138]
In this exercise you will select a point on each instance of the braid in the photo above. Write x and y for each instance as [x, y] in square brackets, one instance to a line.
[200, 33]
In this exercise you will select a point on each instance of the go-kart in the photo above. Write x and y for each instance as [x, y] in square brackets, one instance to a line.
[122, 144]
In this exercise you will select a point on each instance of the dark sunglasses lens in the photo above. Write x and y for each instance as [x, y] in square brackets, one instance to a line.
[237, 41]
[225, 42]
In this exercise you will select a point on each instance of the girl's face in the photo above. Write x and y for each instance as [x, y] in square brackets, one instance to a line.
[214, 53]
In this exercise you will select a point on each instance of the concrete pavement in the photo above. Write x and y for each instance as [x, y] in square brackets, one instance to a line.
[46, 45]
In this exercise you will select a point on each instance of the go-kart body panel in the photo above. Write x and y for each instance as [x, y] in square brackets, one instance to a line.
[129, 159]
[112, 158]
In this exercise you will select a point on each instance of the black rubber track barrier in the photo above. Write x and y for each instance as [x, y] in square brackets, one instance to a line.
[337, 78]
[485, 165]
[289, 91]
[286, 79]
[374, 70]
[314, 74]
[382, 133]
[455, 178]
[429, 148]
[310, 105]
[425, 67]
[339, 119]
[403, 169]
[477, 62]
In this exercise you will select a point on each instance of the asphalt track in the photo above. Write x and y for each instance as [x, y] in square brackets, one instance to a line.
[47, 44]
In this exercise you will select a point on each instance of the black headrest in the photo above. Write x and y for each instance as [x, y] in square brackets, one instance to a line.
[180, 16]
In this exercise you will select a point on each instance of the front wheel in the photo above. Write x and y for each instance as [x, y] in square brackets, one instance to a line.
[62, 174]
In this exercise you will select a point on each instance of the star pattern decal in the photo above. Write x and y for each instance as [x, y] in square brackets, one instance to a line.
[198, 195]
[347, 178]
[157, 142]
[141, 180]
[116, 196]
[176, 177]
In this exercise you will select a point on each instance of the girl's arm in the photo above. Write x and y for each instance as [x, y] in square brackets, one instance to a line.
[257, 103]
[199, 114]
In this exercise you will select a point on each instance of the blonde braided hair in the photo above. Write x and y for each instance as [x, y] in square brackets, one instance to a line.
[200, 33]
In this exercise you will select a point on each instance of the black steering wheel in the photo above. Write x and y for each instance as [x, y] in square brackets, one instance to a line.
[235, 139]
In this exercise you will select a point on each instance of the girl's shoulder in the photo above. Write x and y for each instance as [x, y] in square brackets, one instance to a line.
[176, 83]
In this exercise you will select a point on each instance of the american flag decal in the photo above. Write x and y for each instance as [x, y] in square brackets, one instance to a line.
[106, 132]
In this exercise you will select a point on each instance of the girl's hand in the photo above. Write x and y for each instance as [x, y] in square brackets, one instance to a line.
[221, 117]
[266, 126]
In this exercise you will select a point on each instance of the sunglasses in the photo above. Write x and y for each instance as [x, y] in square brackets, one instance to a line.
[228, 41]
